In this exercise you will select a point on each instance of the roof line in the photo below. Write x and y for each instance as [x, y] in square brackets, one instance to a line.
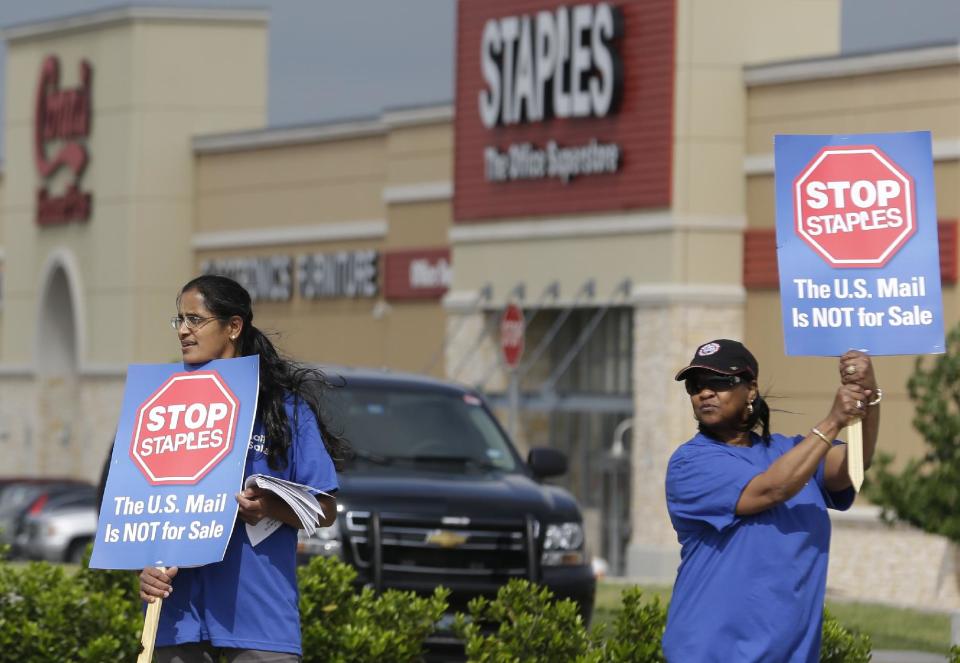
[123, 14]
[269, 137]
[851, 65]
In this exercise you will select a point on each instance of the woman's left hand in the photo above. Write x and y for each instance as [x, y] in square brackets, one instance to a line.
[856, 368]
[255, 505]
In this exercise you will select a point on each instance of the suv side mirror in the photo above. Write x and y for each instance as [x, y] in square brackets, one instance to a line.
[546, 462]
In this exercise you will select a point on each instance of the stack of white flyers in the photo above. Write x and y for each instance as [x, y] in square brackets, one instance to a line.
[300, 498]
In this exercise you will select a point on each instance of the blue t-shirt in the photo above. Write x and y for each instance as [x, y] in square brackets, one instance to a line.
[749, 588]
[250, 600]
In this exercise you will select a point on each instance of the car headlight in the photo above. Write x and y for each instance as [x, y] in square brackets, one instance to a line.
[563, 545]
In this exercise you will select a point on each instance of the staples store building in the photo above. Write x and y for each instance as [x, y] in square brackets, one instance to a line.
[605, 166]
[132, 165]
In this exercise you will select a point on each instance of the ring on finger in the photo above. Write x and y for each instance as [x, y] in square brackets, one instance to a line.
[851, 369]
[859, 405]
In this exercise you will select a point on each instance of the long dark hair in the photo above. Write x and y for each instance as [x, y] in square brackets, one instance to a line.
[279, 376]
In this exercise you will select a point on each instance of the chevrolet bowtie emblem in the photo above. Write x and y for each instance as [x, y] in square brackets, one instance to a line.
[445, 538]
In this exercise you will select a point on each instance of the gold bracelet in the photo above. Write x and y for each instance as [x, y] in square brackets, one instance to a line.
[816, 431]
[879, 397]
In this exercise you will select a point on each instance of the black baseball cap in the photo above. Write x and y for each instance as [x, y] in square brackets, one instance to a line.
[722, 356]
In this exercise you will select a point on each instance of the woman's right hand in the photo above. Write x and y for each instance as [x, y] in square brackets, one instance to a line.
[849, 405]
[155, 583]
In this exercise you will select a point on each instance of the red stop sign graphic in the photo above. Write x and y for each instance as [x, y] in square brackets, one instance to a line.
[511, 335]
[855, 206]
[185, 428]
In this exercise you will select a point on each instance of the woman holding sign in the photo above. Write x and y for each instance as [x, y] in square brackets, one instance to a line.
[246, 607]
[750, 511]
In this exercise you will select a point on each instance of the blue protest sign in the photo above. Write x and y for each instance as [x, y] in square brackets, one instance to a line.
[178, 460]
[857, 244]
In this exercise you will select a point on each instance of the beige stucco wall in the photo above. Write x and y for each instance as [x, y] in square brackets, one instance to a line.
[156, 83]
[299, 185]
[419, 153]
[912, 98]
[714, 41]
[2, 260]
[418, 224]
[336, 181]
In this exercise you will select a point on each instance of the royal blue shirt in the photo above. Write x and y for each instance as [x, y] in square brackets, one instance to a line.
[749, 588]
[250, 600]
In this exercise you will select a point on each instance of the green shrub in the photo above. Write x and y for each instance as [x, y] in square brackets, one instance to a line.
[94, 616]
[524, 624]
[46, 615]
[955, 654]
[637, 630]
[340, 625]
[926, 492]
[840, 645]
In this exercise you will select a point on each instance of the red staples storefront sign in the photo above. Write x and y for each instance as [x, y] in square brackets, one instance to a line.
[417, 273]
[562, 108]
[61, 129]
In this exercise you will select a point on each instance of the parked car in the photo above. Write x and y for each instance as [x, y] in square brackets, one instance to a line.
[438, 495]
[19, 493]
[60, 534]
[51, 498]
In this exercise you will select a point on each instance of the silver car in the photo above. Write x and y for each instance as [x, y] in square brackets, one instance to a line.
[60, 535]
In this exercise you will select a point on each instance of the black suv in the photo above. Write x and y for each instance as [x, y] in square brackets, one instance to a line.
[438, 495]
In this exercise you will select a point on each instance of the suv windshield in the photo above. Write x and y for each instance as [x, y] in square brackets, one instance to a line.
[387, 426]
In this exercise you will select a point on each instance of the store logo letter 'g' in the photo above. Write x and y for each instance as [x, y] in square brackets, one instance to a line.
[61, 127]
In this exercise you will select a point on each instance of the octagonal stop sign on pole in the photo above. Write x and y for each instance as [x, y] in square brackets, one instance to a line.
[184, 429]
[854, 206]
[512, 335]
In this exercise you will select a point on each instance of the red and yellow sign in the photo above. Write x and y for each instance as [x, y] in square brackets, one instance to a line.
[61, 129]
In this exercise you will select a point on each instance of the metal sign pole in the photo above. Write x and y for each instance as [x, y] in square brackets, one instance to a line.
[513, 409]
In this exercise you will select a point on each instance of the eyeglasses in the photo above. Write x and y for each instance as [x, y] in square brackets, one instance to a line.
[698, 383]
[193, 322]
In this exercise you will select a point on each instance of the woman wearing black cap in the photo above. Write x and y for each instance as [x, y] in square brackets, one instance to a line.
[750, 511]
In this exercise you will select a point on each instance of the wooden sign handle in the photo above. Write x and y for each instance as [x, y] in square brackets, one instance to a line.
[150, 621]
[855, 454]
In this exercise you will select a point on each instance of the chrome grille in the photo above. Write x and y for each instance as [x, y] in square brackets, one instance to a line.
[455, 546]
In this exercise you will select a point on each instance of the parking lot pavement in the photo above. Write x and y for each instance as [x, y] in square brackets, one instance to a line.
[888, 656]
